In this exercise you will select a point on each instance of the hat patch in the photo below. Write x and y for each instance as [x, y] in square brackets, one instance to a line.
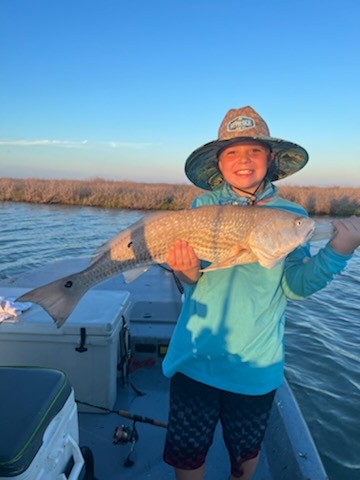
[240, 124]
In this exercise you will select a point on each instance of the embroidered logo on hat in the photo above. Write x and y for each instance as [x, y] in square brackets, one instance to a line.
[240, 124]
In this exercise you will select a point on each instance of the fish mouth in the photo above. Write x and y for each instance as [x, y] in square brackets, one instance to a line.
[323, 231]
[310, 233]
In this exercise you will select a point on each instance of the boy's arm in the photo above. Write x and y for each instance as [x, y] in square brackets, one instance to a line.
[305, 275]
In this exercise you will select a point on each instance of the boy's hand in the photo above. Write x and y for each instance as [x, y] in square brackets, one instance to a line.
[347, 237]
[182, 258]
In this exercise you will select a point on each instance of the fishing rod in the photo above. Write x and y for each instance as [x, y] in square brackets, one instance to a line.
[127, 414]
[124, 434]
[139, 418]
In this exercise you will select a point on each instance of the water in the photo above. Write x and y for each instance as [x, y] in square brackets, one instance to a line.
[323, 332]
[34, 235]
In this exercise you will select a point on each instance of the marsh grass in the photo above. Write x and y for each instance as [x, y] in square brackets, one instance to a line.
[333, 201]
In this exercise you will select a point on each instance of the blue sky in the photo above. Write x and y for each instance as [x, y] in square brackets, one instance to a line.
[126, 90]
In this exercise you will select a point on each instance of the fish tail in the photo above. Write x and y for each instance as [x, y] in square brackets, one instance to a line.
[58, 298]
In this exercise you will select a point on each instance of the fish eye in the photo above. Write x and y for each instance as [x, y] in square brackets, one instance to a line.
[299, 222]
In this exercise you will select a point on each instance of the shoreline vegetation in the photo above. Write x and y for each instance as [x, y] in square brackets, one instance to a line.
[97, 192]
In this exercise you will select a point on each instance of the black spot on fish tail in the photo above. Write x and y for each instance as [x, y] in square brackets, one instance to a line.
[129, 244]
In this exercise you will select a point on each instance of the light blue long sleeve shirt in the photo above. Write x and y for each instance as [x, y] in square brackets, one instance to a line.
[230, 332]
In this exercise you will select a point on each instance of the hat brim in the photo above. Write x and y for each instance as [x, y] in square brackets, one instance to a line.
[202, 169]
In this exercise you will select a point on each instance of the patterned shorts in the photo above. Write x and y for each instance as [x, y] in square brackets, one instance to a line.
[195, 410]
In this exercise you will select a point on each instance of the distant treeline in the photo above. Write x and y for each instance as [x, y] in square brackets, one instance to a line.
[333, 201]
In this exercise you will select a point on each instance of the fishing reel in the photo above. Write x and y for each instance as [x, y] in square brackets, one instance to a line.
[124, 434]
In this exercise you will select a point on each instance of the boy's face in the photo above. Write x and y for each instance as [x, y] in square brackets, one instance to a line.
[244, 165]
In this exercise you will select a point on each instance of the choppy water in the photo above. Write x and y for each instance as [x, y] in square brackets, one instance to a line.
[323, 332]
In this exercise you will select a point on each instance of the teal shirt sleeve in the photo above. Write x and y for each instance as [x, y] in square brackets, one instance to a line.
[202, 200]
[305, 275]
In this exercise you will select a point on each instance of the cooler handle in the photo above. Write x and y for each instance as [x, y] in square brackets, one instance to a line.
[78, 460]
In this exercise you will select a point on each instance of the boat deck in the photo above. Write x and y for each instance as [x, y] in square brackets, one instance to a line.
[288, 453]
[96, 432]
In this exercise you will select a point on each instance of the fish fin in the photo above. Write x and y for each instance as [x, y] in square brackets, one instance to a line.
[105, 247]
[127, 232]
[266, 252]
[134, 273]
[242, 256]
[267, 261]
[58, 298]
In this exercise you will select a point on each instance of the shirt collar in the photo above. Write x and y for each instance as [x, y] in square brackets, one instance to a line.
[227, 196]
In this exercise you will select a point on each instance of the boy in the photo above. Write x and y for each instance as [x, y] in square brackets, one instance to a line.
[226, 356]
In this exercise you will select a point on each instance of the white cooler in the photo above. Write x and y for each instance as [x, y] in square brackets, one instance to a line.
[39, 426]
[86, 347]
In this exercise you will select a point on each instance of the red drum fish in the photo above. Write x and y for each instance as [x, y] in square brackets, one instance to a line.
[225, 236]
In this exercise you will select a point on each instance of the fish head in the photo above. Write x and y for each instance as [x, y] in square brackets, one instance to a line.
[271, 241]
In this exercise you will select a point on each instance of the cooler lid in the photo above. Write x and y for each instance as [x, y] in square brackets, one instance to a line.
[98, 311]
[30, 398]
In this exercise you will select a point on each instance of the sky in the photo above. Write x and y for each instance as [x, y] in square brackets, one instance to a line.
[126, 90]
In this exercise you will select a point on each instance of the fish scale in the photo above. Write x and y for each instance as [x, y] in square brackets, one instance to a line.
[205, 233]
[225, 236]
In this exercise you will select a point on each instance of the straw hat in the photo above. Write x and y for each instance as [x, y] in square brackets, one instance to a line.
[241, 125]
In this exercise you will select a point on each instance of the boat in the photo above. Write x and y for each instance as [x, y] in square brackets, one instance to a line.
[124, 439]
